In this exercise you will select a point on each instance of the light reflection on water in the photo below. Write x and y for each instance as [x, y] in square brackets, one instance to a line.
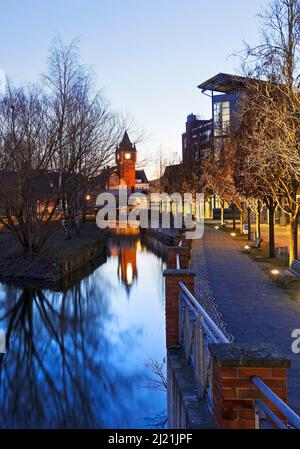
[77, 359]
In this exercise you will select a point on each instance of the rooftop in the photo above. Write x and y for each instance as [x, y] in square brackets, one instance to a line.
[126, 143]
[225, 83]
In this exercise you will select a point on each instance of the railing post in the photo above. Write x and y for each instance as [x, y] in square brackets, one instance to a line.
[233, 392]
[184, 256]
[172, 291]
[177, 239]
[202, 361]
[181, 238]
[257, 418]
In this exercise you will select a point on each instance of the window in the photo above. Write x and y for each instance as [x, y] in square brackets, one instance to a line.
[221, 118]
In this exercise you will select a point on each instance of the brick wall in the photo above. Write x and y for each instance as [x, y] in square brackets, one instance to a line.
[172, 290]
[232, 389]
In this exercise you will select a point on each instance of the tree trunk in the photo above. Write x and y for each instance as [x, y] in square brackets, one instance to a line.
[293, 239]
[64, 220]
[241, 219]
[222, 212]
[234, 218]
[249, 222]
[77, 216]
[296, 236]
[84, 212]
[257, 224]
[271, 209]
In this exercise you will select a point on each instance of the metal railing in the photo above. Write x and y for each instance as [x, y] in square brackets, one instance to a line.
[197, 331]
[265, 418]
[178, 257]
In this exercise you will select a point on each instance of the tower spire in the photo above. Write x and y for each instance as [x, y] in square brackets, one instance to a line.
[126, 143]
[126, 154]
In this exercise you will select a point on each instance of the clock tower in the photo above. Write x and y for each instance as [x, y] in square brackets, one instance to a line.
[126, 160]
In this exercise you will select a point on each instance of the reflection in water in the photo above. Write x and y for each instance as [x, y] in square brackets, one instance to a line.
[77, 359]
[127, 265]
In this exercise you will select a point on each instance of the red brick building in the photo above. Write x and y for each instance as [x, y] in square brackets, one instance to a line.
[125, 175]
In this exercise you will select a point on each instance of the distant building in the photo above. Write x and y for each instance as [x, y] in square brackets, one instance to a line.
[226, 90]
[141, 181]
[124, 175]
[172, 179]
[44, 188]
[196, 141]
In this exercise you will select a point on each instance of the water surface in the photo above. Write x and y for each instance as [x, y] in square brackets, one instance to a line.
[80, 358]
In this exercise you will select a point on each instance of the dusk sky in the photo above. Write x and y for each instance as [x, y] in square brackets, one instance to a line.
[148, 56]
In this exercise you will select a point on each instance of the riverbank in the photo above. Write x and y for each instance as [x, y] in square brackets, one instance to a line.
[58, 260]
[168, 237]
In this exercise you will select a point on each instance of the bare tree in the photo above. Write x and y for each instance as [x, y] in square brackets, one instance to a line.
[270, 110]
[87, 131]
[54, 138]
[277, 56]
[27, 146]
[218, 176]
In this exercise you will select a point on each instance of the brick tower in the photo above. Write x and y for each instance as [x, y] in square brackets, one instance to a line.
[126, 160]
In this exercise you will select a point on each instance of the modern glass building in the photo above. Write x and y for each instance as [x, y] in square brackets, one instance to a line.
[225, 91]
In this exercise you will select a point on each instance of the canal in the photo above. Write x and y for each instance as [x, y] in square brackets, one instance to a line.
[86, 357]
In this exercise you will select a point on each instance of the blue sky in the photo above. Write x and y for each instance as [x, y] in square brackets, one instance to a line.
[148, 55]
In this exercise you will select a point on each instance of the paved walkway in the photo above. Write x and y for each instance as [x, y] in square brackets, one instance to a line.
[253, 309]
[281, 232]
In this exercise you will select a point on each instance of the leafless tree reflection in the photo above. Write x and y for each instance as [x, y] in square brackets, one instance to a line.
[55, 373]
[156, 379]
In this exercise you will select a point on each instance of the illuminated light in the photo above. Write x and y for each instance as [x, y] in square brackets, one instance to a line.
[127, 156]
[247, 247]
[233, 234]
[275, 272]
[88, 197]
[217, 228]
[129, 273]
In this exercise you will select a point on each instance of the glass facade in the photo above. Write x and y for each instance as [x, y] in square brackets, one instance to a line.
[221, 118]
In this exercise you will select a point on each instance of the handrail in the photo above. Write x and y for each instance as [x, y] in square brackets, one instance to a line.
[281, 406]
[260, 406]
[178, 257]
[202, 312]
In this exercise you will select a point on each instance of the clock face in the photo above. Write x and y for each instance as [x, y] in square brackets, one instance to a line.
[127, 156]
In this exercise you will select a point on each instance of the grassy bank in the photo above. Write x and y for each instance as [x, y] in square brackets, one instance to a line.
[58, 258]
